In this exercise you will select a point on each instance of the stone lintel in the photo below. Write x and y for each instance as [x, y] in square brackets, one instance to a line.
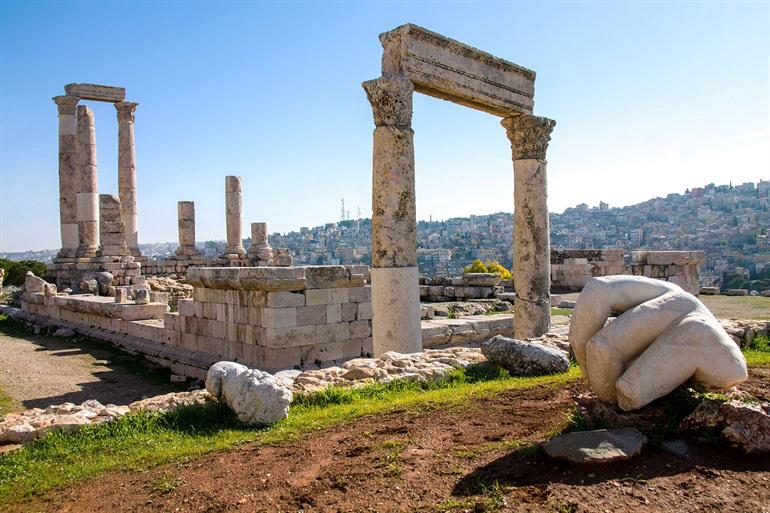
[448, 69]
[96, 92]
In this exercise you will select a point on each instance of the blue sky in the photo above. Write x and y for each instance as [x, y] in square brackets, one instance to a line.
[649, 97]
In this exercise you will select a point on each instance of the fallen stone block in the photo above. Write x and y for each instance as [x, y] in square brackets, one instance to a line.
[600, 446]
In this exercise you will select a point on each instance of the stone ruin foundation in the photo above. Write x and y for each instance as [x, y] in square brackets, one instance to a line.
[572, 268]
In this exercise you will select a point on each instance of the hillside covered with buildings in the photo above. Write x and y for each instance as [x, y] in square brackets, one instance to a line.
[730, 223]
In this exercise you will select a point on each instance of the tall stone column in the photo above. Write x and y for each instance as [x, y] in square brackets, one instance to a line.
[186, 212]
[127, 173]
[68, 182]
[88, 187]
[260, 249]
[395, 286]
[529, 136]
[233, 206]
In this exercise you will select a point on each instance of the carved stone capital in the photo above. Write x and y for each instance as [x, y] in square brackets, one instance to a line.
[529, 135]
[125, 111]
[66, 104]
[391, 99]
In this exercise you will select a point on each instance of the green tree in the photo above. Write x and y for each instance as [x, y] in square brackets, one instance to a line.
[15, 271]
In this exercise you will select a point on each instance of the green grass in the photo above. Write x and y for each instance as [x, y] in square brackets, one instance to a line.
[738, 307]
[143, 440]
[6, 404]
[561, 311]
[758, 353]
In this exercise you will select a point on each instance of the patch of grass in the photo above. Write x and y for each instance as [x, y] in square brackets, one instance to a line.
[738, 307]
[143, 440]
[166, 484]
[758, 353]
[561, 311]
[390, 459]
[7, 404]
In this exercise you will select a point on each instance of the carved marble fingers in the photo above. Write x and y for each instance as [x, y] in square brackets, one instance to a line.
[664, 338]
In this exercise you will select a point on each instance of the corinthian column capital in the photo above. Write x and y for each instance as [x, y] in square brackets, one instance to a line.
[529, 135]
[391, 99]
[66, 104]
[125, 111]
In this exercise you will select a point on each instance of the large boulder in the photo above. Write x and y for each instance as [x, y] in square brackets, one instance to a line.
[523, 358]
[256, 397]
[599, 446]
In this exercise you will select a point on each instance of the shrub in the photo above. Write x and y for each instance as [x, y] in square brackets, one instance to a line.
[477, 266]
[494, 266]
[15, 271]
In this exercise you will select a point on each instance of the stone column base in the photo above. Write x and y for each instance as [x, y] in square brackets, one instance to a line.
[396, 310]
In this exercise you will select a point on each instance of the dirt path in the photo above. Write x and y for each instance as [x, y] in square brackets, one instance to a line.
[473, 458]
[36, 371]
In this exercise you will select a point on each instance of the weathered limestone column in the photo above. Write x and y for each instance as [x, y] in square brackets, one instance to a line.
[260, 249]
[87, 189]
[233, 218]
[186, 212]
[68, 182]
[529, 136]
[127, 173]
[395, 286]
[112, 230]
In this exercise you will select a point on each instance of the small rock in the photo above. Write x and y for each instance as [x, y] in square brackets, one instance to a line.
[64, 332]
[678, 448]
[600, 446]
[522, 358]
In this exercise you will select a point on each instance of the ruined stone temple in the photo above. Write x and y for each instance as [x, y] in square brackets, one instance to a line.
[250, 304]
[418, 60]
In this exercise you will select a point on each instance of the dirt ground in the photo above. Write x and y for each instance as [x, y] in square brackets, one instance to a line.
[462, 459]
[38, 370]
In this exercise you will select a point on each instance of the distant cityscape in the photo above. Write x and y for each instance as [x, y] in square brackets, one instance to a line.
[730, 223]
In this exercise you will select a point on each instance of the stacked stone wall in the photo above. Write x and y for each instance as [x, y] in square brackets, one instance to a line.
[270, 318]
[571, 269]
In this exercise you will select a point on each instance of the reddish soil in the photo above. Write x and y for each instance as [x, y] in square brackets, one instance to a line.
[437, 461]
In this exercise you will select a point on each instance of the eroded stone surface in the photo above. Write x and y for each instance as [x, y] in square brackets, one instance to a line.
[744, 425]
[599, 446]
[256, 397]
[523, 358]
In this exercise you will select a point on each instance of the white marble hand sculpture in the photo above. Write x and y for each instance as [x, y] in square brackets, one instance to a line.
[663, 338]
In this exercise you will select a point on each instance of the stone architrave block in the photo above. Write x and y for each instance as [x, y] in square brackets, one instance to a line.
[96, 92]
[453, 71]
